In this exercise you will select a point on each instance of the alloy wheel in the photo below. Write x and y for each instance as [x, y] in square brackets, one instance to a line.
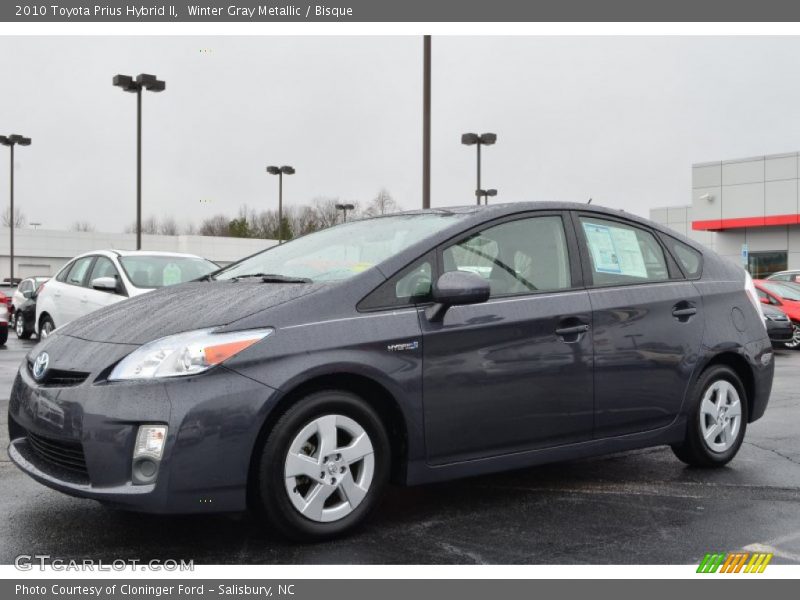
[329, 468]
[720, 416]
[47, 329]
[19, 327]
[795, 337]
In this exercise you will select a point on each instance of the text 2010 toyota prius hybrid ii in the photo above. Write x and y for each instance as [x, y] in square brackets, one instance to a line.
[416, 347]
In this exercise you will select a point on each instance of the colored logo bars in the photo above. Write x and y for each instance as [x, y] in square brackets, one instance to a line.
[739, 562]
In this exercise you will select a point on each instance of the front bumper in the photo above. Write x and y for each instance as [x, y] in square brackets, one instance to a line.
[780, 332]
[79, 439]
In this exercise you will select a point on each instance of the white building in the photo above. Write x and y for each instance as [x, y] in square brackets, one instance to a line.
[44, 251]
[744, 208]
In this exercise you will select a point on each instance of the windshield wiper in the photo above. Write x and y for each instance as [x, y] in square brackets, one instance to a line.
[274, 278]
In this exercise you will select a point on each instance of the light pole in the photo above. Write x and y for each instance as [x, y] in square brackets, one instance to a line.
[344, 208]
[11, 141]
[135, 86]
[485, 194]
[280, 172]
[473, 139]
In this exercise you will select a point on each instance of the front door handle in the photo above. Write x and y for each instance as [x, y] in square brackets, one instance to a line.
[565, 331]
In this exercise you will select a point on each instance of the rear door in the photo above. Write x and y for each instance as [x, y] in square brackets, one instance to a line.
[647, 322]
[513, 373]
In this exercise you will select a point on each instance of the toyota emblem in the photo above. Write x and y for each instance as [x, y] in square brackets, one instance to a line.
[40, 365]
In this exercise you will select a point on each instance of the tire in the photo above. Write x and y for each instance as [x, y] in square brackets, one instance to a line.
[707, 444]
[329, 492]
[795, 343]
[20, 328]
[46, 327]
[3, 335]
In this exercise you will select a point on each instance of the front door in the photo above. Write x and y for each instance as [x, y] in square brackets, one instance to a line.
[514, 373]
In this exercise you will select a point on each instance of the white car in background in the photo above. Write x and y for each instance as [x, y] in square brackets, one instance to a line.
[97, 279]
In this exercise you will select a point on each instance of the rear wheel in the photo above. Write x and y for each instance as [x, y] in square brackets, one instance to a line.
[46, 327]
[323, 466]
[3, 334]
[717, 421]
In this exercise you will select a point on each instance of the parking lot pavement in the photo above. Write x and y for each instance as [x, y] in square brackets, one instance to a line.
[638, 507]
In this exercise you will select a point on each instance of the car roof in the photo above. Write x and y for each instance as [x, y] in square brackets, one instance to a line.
[120, 253]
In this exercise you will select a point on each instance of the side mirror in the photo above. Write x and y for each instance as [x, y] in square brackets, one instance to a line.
[105, 284]
[27, 293]
[456, 288]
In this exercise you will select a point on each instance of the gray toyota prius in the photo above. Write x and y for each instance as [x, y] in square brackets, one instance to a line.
[413, 348]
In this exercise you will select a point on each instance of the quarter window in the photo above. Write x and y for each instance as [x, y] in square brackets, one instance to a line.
[622, 254]
[518, 257]
[78, 271]
[411, 285]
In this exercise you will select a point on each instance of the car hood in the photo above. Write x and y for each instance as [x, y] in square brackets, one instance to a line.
[194, 305]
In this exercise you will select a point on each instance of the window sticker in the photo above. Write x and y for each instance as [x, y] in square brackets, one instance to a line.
[171, 274]
[615, 250]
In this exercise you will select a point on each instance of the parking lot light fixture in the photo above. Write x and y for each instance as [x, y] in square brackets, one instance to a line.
[12, 140]
[150, 83]
[473, 139]
[280, 172]
[344, 208]
[485, 194]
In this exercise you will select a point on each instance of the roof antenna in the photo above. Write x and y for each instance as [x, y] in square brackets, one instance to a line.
[590, 201]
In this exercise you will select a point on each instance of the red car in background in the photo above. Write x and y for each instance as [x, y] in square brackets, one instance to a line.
[5, 305]
[786, 296]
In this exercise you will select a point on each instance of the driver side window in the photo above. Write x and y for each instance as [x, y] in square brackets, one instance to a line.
[517, 257]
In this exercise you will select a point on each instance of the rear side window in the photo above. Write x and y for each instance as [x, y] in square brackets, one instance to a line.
[691, 260]
[623, 254]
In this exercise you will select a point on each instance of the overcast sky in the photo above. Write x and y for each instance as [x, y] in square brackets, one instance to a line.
[617, 119]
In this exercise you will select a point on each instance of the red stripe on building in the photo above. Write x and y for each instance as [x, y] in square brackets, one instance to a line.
[767, 221]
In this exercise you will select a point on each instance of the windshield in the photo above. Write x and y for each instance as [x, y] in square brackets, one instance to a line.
[343, 251]
[152, 271]
[788, 291]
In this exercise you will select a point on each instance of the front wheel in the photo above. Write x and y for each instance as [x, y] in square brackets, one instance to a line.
[795, 343]
[717, 421]
[323, 466]
[20, 328]
[46, 327]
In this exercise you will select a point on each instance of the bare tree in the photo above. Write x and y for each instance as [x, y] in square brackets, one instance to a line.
[19, 218]
[382, 204]
[190, 229]
[149, 226]
[217, 225]
[168, 226]
[84, 226]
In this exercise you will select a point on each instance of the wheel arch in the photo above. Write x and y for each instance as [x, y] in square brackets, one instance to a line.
[741, 367]
[368, 389]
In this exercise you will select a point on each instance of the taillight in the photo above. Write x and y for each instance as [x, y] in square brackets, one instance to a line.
[752, 293]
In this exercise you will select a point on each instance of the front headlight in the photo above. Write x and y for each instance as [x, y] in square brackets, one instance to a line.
[186, 353]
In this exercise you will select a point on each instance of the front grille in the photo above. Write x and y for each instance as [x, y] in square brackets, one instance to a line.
[67, 455]
[59, 377]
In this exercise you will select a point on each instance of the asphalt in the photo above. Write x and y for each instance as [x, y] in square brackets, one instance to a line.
[641, 507]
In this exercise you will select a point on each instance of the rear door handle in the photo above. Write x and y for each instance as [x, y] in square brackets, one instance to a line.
[683, 310]
[564, 331]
